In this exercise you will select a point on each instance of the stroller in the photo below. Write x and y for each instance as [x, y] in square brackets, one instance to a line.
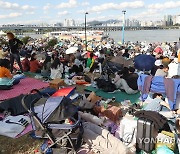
[56, 119]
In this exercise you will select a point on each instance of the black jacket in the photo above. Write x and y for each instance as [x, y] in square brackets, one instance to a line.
[131, 80]
[14, 45]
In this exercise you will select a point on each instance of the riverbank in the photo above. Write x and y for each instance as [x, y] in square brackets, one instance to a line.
[170, 35]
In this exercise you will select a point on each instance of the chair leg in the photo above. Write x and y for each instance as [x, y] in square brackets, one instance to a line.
[70, 141]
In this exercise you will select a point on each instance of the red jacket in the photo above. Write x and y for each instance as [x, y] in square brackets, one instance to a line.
[34, 66]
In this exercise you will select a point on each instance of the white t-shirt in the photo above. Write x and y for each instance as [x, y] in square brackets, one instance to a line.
[160, 72]
[173, 69]
[57, 73]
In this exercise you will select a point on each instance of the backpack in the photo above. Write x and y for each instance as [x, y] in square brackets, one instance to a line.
[106, 86]
[6, 83]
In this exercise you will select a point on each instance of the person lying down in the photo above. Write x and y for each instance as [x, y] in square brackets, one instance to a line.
[157, 104]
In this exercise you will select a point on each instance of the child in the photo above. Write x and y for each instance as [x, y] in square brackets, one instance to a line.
[4, 69]
[157, 103]
[26, 63]
[5, 74]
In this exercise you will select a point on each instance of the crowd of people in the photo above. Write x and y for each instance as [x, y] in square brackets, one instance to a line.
[115, 64]
[54, 62]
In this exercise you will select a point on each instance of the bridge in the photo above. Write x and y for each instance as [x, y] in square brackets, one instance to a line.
[19, 30]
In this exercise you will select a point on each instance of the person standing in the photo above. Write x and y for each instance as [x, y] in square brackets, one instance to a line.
[14, 44]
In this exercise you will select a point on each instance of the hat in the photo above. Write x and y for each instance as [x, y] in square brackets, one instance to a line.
[166, 61]
[158, 62]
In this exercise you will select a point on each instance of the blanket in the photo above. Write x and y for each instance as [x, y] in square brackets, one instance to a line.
[24, 87]
[120, 96]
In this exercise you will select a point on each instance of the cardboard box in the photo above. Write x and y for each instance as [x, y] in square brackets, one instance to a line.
[56, 83]
[112, 112]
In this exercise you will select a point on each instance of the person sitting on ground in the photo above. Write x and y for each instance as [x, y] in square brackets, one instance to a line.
[71, 59]
[124, 73]
[122, 84]
[173, 68]
[56, 69]
[101, 56]
[78, 54]
[126, 54]
[46, 69]
[4, 69]
[157, 104]
[26, 63]
[158, 65]
[35, 66]
[3, 54]
[55, 54]
[132, 78]
[5, 72]
[162, 72]
[77, 67]
[121, 74]
[90, 62]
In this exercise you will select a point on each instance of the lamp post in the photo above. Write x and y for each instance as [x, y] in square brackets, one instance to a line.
[124, 12]
[85, 32]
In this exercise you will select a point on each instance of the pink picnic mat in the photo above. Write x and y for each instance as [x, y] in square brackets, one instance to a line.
[24, 87]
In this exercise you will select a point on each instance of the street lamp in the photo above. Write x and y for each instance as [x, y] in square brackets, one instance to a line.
[85, 32]
[124, 12]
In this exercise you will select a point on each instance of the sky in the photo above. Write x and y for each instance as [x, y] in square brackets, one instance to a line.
[53, 11]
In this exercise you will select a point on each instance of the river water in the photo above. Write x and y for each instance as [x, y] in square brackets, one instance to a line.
[140, 35]
[147, 35]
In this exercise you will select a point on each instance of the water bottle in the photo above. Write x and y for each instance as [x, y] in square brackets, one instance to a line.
[106, 103]
[44, 146]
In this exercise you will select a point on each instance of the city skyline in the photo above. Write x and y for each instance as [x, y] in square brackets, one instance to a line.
[46, 11]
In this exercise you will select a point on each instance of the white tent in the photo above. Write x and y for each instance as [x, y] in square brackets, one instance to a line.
[2, 33]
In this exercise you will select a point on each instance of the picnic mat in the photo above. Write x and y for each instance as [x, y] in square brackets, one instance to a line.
[24, 87]
[30, 74]
[120, 96]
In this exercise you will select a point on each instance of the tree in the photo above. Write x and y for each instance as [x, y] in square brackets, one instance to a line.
[52, 42]
[26, 39]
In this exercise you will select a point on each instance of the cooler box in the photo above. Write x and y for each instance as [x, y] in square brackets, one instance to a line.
[112, 112]
[56, 83]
